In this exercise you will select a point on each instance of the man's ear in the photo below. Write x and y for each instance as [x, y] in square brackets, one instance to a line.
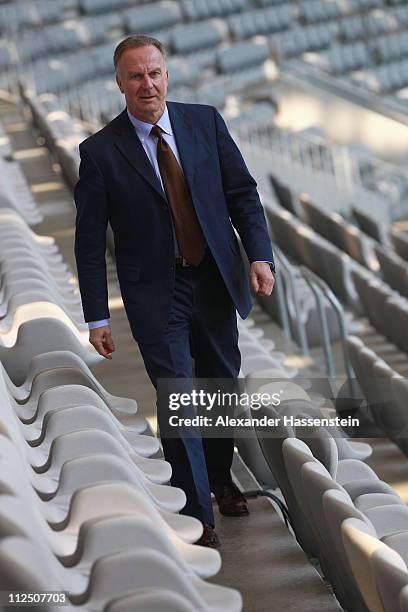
[119, 83]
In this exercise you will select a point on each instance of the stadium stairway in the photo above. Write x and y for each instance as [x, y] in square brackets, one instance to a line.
[260, 557]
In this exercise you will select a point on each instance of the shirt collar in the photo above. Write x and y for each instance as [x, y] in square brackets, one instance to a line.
[143, 129]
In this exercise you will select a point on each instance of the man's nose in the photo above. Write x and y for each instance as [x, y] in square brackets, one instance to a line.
[147, 82]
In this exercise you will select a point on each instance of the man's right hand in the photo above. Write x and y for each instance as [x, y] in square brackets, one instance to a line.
[101, 340]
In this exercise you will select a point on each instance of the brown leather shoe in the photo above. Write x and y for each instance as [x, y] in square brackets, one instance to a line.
[230, 500]
[209, 537]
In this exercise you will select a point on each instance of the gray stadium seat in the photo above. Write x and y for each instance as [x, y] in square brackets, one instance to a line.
[285, 197]
[351, 29]
[391, 577]
[194, 37]
[155, 16]
[400, 242]
[361, 545]
[100, 6]
[380, 22]
[311, 12]
[369, 225]
[394, 269]
[112, 576]
[242, 55]
[195, 10]
[261, 21]
[296, 41]
[182, 72]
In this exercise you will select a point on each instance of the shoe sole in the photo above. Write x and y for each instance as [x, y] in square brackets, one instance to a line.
[245, 513]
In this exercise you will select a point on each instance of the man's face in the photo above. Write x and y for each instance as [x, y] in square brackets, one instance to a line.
[142, 76]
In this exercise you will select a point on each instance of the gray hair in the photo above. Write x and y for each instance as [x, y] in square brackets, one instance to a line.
[134, 42]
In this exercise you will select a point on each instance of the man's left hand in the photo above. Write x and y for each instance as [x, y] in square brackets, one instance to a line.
[261, 277]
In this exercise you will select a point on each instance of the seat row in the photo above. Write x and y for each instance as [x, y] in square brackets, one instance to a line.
[85, 501]
[16, 16]
[322, 491]
[299, 304]
[390, 48]
[378, 17]
[308, 248]
[383, 79]
[357, 288]
[260, 363]
[58, 39]
[394, 238]
[195, 10]
[164, 17]
[386, 309]
[191, 9]
[61, 132]
[400, 243]
[15, 192]
[58, 75]
[265, 371]
[359, 246]
[261, 21]
[394, 269]
[316, 10]
[338, 508]
[295, 42]
[84, 508]
[70, 35]
[40, 307]
[96, 25]
[339, 232]
[385, 390]
[341, 59]
[371, 247]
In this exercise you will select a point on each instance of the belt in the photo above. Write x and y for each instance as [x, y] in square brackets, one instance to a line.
[181, 262]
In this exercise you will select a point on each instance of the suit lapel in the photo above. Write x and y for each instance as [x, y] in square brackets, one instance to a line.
[130, 146]
[184, 135]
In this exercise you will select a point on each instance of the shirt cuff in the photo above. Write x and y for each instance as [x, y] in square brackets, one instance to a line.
[268, 262]
[100, 323]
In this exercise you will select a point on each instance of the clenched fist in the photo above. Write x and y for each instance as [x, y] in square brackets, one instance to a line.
[261, 277]
[101, 340]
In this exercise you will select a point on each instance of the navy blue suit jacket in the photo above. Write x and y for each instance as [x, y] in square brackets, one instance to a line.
[118, 185]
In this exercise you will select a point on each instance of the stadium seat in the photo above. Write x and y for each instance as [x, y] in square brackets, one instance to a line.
[242, 55]
[362, 546]
[194, 37]
[400, 242]
[260, 21]
[152, 17]
[112, 576]
[195, 10]
[390, 572]
[100, 6]
[394, 269]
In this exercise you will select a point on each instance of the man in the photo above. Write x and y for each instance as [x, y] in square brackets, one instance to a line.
[172, 184]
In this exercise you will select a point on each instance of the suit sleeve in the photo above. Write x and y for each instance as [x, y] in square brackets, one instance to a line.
[244, 206]
[90, 238]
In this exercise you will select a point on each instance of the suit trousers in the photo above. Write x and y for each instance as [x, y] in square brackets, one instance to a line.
[201, 340]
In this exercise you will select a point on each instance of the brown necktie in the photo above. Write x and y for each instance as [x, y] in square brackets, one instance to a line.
[188, 232]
